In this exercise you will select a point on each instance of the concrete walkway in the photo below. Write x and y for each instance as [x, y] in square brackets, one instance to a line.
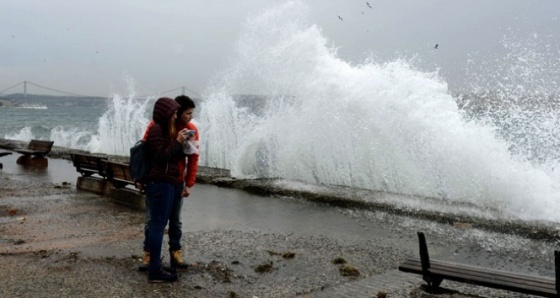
[394, 283]
[227, 233]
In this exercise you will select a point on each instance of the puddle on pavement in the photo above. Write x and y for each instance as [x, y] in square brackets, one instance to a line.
[8, 219]
[212, 207]
[58, 170]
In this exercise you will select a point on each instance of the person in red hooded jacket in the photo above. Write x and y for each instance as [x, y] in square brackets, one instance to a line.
[187, 169]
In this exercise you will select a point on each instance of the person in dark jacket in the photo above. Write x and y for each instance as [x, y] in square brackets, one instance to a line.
[165, 148]
[182, 188]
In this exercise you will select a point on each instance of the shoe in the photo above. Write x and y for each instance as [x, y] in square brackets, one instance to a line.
[176, 259]
[161, 275]
[145, 262]
[169, 269]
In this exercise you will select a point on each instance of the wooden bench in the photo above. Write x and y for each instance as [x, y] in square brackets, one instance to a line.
[118, 174]
[87, 164]
[37, 148]
[434, 272]
[123, 191]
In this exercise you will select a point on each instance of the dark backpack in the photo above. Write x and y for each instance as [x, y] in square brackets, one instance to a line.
[139, 161]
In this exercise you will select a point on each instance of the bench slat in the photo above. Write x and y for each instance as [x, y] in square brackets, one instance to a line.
[118, 174]
[37, 147]
[484, 277]
[434, 272]
[496, 276]
[88, 165]
[506, 284]
[415, 264]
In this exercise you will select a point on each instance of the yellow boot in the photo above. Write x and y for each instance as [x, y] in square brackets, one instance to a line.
[176, 259]
[145, 262]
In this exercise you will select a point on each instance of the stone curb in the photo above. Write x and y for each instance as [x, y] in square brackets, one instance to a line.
[345, 197]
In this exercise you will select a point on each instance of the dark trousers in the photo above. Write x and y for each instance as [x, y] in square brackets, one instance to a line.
[160, 197]
[175, 224]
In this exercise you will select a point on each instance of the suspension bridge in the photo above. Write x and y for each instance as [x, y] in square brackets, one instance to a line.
[23, 88]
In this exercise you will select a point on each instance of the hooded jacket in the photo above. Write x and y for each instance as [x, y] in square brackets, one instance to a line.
[165, 153]
[187, 168]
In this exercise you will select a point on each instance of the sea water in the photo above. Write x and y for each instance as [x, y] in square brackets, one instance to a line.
[288, 107]
[69, 126]
[108, 129]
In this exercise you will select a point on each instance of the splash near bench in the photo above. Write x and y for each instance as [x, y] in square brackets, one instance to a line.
[35, 153]
[434, 272]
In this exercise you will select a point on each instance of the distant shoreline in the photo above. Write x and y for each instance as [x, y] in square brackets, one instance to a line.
[14, 100]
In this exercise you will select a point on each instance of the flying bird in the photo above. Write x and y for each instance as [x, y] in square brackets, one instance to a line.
[340, 18]
[367, 3]
[436, 46]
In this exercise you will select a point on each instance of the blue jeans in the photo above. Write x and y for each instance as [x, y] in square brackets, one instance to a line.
[160, 196]
[175, 225]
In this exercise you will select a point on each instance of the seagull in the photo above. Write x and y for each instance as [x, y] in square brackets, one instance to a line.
[435, 47]
[367, 3]
[340, 18]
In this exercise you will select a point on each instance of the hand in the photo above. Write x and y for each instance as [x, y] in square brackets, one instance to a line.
[140, 187]
[182, 136]
[186, 191]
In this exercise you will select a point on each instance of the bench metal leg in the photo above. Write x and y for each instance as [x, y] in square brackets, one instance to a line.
[557, 271]
[433, 281]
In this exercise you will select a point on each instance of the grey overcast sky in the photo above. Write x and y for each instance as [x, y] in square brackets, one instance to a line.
[86, 46]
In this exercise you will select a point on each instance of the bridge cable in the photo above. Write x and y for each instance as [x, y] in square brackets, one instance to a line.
[170, 90]
[11, 87]
[55, 90]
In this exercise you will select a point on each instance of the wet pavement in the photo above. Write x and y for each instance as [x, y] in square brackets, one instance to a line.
[212, 207]
[224, 227]
[58, 170]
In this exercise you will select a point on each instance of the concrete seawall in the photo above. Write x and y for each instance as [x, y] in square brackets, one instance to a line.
[336, 196]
